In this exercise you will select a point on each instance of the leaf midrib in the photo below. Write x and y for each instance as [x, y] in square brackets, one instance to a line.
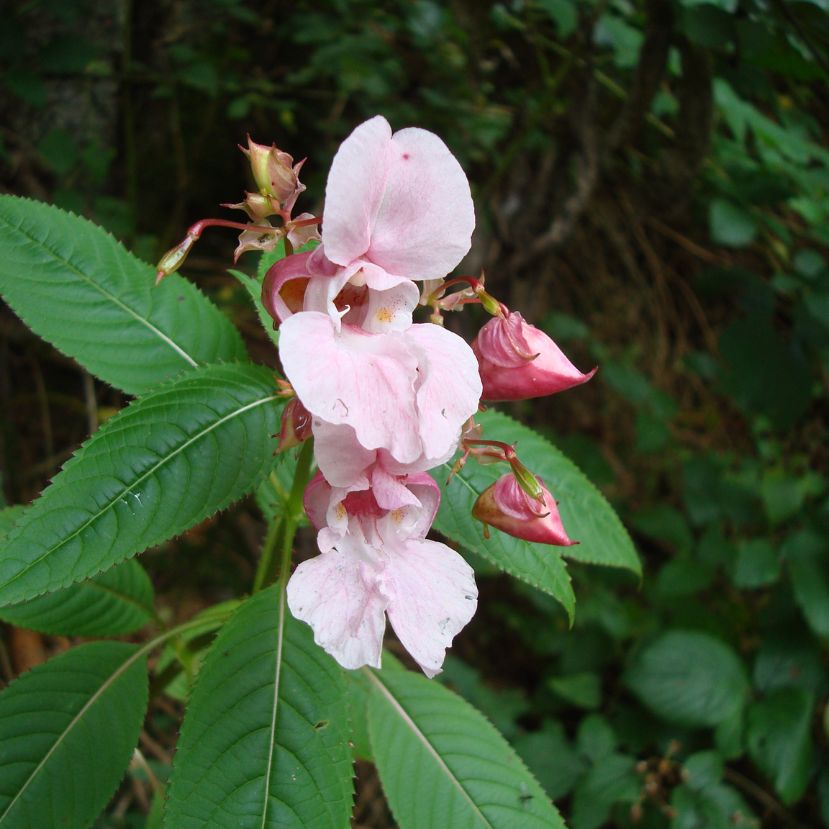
[407, 719]
[167, 340]
[280, 640]
[127, 490]
[108, 682]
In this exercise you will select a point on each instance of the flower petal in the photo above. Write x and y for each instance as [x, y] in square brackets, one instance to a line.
[424, 224]
[336, 594]
[354, 191]
[431, 595]
[340, 456]
[449, 388]
[354, 378]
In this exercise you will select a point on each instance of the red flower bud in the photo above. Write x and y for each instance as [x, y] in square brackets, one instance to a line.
[518, 361]
[296, 425]
[507, 507]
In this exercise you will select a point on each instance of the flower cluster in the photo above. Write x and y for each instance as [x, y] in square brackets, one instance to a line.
[386, 398]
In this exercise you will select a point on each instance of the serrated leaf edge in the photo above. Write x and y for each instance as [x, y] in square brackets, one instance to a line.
[125, 491]
[396, 705]
[127, 663]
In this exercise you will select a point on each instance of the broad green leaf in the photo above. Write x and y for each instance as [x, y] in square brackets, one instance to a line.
[612, 779]
[264, 741]
[116, 602]
[807, 553]
[586, 514]
[77, 287]
[551, 758]
[730, 224]
[442, 763]
[8, 518]
[689, 678]
[67, 732]
[160, 466]
[780, 742]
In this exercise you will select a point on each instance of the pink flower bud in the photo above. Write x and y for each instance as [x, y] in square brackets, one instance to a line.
[275, 173]
[507, 507]
[518, 361]
[296, 425]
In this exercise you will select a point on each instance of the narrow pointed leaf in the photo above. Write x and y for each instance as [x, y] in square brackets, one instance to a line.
[116, 602]
[77, 287]
[67, 732]
[157, 468]
[442, 763]
[264, 741]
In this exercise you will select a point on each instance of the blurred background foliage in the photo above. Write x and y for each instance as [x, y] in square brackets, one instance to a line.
[652, 187]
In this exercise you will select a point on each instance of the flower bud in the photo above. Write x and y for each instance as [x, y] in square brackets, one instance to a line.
[507, 507]
[275, 173]
[257, 206]
[296, 425]
[174, 258]
[517, 361]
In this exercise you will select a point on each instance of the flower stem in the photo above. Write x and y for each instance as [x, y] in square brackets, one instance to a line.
[283, 528]
[266, 557]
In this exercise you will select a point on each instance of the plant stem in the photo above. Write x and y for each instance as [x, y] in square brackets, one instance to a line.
[266, 557]
[294, 509]
[284, 526]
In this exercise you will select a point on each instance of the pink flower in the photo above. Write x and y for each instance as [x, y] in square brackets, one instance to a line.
[408, 392]
[376, 562]
[399, 201]
[517, 361]
[507, 507]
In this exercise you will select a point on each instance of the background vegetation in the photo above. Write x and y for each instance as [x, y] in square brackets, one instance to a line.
[652, 186]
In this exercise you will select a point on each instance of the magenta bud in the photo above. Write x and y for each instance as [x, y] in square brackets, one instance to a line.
[296, 425]
[517, 361]
[507, 507]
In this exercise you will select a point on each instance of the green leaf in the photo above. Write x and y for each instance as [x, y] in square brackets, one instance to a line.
[586, 514]
[583, 690]
[807, 553]
[116, 602]
[689, 678]
[157, 468]
[442, 763]
[731, 225]
[264, 741]
[551, 758]
[67, 732]
[757, 565]
[74, 285]
[613, 779]
[779, 740]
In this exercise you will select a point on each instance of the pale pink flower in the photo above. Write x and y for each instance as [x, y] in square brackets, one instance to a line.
[397, 208]
[518, 361]
[377, 562]
[408, 392]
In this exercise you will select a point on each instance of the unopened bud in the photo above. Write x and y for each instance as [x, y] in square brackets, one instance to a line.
[275, 173]
[296, 425]
[506, 506]
[257, 206]
[174, 258]
[517, 361]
